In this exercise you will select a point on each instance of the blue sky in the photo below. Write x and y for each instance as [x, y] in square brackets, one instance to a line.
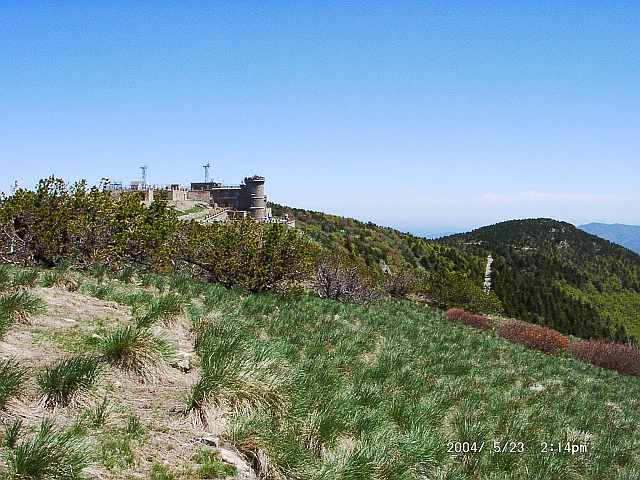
[428, 116]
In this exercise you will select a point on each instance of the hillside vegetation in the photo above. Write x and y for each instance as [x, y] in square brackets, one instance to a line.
[299, 387]
[555, 274]
[545, 271]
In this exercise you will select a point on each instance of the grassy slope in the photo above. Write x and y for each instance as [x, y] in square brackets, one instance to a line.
[378, 392]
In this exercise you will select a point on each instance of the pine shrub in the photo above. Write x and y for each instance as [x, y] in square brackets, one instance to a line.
[621, 357]
[533, 336]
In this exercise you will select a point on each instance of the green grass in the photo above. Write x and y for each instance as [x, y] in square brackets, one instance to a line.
[26, 278]
[13, 376]
[136, 350]
[210, 467]
[68, 378]
[20, 306]
[50, 453]
[318, 389]
[164, 309]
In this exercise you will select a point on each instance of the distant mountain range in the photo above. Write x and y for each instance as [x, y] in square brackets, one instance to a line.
[626, 235]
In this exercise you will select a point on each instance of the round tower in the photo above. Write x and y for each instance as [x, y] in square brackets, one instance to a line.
[257, 198]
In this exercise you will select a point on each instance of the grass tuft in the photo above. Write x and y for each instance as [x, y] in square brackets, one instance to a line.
[164, 309]
[135, 350]
[49, 454]
[12, 379]
[26, 278]
[70, 377]
[59, 278]
[232, 376]
[5, 277]
[19, 306]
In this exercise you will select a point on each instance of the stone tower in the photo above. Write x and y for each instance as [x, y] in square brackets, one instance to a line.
[257, 198]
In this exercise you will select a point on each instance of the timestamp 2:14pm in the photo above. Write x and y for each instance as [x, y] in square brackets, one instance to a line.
[563, 447]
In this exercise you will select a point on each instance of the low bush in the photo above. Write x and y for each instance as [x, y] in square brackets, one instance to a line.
[346, 284]
[533, 336]
[257, 257]
[59, 383]
[135, 350]
[621, 357]
[49, 454]
[20, 305]
[12, 378]
[398, 285]
[462, 316]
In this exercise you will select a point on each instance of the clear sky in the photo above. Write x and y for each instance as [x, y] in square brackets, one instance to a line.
[428, 116]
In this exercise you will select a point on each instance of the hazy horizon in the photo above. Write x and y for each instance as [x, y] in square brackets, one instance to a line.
[425, 117]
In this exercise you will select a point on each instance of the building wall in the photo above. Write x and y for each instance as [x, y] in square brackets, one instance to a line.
[249, 196]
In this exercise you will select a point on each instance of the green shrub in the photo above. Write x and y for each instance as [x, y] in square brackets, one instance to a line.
[49, 454]
[136, 350]
[245, 253]
[12, 379]
[20, 305]
[73, 376]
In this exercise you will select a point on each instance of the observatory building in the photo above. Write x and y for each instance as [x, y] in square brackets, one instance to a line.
[248, 196]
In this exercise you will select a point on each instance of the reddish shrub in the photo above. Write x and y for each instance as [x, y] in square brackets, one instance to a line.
[462, 316]
[621, 357]
[455, 314]
[533, 336]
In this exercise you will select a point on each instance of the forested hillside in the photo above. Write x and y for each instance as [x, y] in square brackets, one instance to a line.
[371, 243]
[552, 273]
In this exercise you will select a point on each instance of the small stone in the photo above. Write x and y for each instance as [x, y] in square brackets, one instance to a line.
[210, 440]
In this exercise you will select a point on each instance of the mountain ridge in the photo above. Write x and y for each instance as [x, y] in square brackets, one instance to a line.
[626, 235]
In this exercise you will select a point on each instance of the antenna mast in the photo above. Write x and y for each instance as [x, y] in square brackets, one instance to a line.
[206, 172]
[144, 175]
